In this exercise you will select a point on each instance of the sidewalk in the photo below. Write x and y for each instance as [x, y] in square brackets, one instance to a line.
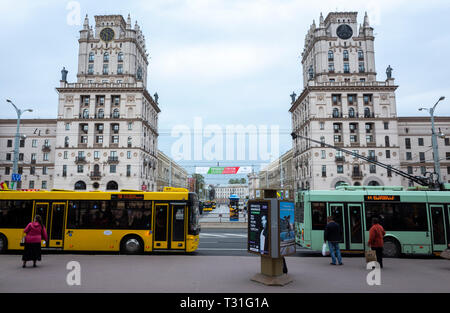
[216, 274]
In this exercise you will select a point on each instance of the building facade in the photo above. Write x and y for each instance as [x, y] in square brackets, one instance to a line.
[170, 173]
[278, 174]
[107, 123]
[343, 104]
[222, 193]
[36, 152]
[416, 157]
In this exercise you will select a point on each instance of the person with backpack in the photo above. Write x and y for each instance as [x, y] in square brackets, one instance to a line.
[34, 232]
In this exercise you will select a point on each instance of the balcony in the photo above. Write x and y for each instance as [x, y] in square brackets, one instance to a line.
[339, 159]
[113, 159]
[372, 144]
[80, 160]
[46, 148]
[372, 158]
[357, 175]
[95, 175]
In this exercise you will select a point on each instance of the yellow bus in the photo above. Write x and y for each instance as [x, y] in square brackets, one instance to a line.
[207, 206]
[127, 221]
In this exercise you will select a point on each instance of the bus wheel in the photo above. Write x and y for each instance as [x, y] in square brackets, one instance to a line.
[3, 243]
[131, 245]
[391, 248]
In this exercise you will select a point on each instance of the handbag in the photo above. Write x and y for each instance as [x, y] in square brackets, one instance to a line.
[324, 250]
[445, 254]
[22, 241]
[371, 256]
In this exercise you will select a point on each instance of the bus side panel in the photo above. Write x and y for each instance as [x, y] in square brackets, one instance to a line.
[102, 240]
[13, 235]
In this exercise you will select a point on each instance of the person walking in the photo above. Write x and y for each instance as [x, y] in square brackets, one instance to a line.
[376, 242]
[332, 235]
[34, 232]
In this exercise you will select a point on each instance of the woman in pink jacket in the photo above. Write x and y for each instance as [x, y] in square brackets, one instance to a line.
[34, 232]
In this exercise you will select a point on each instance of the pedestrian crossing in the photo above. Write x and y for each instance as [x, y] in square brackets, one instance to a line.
[224, 235]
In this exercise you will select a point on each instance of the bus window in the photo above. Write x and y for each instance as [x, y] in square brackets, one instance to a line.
[336, 211]
[437, 219]
[398, 216]
[299, 212]
[193, 219]
[161, 222]
[355, 224]
[178, 222]
[319, 215]
[15, 214]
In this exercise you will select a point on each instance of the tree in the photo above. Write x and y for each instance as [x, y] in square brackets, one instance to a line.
[199, 183]
[243, 181]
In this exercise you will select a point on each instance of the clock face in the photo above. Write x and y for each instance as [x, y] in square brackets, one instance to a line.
[344, 31]
[107, 34]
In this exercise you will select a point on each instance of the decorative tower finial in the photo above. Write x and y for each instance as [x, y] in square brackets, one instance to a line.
[129, 21]
[366, 20]
[86, 23]
[322, 23]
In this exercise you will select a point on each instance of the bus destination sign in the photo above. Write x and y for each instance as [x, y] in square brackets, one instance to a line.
[383, 198]
[122, 196]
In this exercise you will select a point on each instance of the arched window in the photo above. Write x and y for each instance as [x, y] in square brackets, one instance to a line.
[335, 112]
[91, 57]
[85, 113]
[330, 55]
[374, 183]
[96, 168]
[120, 57]
[112, 185]
[80, 185]
[101, 113]
[106, 57]
[345, 55]
[366, 112]
[116, 113]
[351, 112]
[340, 183]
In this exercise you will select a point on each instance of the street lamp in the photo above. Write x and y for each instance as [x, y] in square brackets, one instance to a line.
[17, 139]
[437, 167]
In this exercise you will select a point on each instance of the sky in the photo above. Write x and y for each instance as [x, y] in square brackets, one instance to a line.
[222, 63]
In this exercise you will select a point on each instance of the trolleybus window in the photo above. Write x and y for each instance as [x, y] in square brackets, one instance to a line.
[319, 215]
[15, 214]
[398, 216]
[299, 212]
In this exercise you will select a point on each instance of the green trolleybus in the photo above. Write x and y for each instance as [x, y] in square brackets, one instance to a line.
[416, 222]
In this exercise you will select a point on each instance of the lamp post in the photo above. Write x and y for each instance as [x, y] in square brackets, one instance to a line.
[17, 139]
[437, 167]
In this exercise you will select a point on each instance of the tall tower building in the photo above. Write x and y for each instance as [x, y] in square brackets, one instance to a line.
[107, 124]
[343, 104]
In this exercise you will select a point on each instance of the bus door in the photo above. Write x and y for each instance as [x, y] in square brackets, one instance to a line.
[41, 209]
[438, 230]
[161, 226]
[179, 226]
[56, 230]
[337, 211]
[355, 227]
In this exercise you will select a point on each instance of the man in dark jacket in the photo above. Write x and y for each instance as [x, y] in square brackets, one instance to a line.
[332, 234]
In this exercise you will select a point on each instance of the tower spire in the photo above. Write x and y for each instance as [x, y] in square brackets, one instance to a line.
[366, 20]
[86, 23]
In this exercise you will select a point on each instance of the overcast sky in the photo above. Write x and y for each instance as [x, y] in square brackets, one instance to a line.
[227, 62]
